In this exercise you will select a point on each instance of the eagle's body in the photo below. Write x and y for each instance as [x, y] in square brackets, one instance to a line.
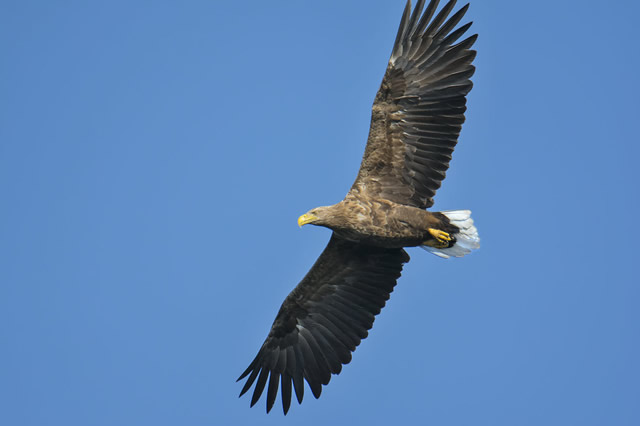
[416, 119]
[380, 222]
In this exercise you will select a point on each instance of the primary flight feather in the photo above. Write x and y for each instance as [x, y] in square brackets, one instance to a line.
[416, 119]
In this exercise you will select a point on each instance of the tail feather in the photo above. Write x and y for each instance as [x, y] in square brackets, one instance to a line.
[467, 238]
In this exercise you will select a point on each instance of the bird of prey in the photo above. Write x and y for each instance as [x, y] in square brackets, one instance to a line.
[415, 122]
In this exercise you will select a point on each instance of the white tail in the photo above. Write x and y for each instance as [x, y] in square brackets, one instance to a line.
[466, 240]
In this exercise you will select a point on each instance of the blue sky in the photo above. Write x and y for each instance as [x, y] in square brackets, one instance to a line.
[154, 158]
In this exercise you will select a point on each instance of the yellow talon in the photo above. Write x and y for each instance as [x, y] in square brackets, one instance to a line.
[442, 238]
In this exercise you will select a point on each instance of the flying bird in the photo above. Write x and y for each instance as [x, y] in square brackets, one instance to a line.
[415, 123]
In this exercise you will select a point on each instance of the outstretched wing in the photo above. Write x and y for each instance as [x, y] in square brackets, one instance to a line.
[323, 320]
[419, 109]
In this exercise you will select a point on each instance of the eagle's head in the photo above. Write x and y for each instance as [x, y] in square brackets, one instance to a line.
[320, 216]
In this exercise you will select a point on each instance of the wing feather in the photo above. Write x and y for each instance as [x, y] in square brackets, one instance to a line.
[419, 109]
[323, 320]
[285, 381]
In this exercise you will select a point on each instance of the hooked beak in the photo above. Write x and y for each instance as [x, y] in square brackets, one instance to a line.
[306, 218]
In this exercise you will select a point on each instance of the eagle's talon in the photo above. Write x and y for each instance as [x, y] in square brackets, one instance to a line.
[442, 238]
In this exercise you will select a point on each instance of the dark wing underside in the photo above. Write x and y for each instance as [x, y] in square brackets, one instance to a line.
[323, 319]
[419, 109]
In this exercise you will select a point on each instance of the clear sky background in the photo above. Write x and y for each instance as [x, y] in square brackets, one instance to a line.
[154, 158]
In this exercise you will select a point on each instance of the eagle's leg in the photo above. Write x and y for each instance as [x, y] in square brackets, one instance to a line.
[442, 238]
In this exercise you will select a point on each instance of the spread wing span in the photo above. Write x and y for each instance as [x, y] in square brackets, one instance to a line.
[415, 123]
[419, 109]
[323, 319]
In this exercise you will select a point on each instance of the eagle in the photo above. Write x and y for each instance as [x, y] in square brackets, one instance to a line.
[416, 119]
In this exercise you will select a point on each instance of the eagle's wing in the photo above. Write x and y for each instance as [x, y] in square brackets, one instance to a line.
[323, 319]
[419, 109]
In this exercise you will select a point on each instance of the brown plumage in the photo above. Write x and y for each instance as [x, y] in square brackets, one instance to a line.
[416, 119]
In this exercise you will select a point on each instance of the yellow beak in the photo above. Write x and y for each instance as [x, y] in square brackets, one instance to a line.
[306, 218]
